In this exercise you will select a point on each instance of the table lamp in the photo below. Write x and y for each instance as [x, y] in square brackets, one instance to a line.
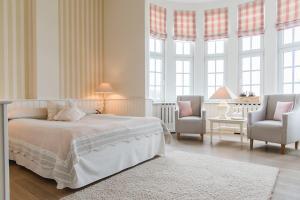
[223, 94]
[104, 88]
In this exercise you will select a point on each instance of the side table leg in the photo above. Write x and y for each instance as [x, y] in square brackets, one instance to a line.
[242, 133]
[211, 131]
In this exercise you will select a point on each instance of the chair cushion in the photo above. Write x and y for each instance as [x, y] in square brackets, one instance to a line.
[196, 102]
[268, 130]
[190, 124]
[282, 107]
[185, 108]
[272, 102]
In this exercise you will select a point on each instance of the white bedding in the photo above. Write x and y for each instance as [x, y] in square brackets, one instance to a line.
[65, 151]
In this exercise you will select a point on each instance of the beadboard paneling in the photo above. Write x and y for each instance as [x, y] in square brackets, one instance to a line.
[80, 40]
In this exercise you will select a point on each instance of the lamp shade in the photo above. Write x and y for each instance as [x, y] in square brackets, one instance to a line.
[223, 93]
[104, 88]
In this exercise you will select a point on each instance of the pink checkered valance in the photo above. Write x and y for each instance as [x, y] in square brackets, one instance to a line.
[158, 20]
[185, 25]
[251, 18]
[216, 24]
[288, 14]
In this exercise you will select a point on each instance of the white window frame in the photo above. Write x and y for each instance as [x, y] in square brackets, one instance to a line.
[208, 57]
[155, 55]
[183, 57]
[291, 47]
[251, 53]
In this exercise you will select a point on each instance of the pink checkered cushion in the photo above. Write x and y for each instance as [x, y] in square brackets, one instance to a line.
[185, 108]
[282, 107]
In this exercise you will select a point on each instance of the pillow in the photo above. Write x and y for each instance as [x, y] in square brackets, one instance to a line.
[282, 107]
[32, 113]
[53, 108]
[185, 108]
[69, 113]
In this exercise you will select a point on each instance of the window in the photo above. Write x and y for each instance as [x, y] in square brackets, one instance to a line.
[290, 60]
[215, 65]
[156, 69]
[184, 67]
[251, 59]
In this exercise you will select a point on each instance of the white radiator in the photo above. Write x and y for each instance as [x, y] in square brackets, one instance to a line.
[166, 112]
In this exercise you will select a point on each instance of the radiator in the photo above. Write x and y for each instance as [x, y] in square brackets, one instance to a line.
[166, 112]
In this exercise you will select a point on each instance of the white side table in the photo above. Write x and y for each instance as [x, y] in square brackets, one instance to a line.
[4, 157]
[239, 122]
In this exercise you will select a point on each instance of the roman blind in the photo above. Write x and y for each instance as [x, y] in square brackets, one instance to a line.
[216, 24]
[251, 20]
[288, 15]
[158, 19]
[185, 25]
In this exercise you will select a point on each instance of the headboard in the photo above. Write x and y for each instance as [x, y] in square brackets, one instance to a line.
[88, 104]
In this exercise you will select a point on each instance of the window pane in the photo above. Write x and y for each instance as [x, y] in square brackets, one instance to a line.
[288, 75]
[256, 90]
[287, 88]
[211, 66]
[219, 79]
[246, 43]
[187, 80]
[255, 77]
[246, 64]
[246, 89]
[288, 59]
[220, 65]
[158, 65]
[179, 48]
[179, 91]
[297, 58]
[152, 64]
[256, 42]
[288, 36]
[187, 67]
[211, 79]
[158, 92]
[210, 91]
[186, 90]
[297, 88]
[255, 63]
[211, 47]
[179, 66]
[152, 78]
[220, 47]
[158, 79]
[152, 45]
[158, 46]
[297, 34]
[297, 74]
[187, 48]
[152, 92]
[179, 79]
[246, 78]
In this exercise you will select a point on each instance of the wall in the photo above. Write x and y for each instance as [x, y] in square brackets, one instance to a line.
[50, 48]
[270, 74]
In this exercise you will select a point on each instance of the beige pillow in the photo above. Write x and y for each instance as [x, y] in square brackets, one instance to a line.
[32, 113]
[69, 113]
[53, 108]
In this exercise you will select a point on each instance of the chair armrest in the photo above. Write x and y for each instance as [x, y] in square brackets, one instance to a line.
[290, 122]
[203, 114]
[256, 116]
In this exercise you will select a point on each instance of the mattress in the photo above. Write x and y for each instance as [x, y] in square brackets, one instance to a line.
[67, 151]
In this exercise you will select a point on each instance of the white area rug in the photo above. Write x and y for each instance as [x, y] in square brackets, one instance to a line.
[182, 176]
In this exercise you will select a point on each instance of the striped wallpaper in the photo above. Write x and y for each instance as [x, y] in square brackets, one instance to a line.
[15, 47]
[80, 26]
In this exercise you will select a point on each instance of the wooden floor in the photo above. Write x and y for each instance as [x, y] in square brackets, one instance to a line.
[26, 185]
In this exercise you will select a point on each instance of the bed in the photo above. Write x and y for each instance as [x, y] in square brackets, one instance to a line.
[78, 153]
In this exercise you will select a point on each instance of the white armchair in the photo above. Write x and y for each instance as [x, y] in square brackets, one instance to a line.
[195, 124]
[261, 125]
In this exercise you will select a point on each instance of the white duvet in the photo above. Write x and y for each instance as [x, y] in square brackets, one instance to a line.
[58, 146]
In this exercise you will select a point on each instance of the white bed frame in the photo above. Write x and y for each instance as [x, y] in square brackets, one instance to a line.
[98, 165]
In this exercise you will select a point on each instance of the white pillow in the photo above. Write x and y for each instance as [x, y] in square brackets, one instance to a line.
[53, 108]
[69, 113]
[32, 113]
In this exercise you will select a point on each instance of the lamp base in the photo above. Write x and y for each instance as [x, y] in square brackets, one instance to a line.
[223, 110]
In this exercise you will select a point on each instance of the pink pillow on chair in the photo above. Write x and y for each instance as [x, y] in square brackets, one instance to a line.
[185, 108]
[282, 107]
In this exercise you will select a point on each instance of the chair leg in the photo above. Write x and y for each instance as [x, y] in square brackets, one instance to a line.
[296, 145]
[201, 137]
[282, 149]
[251, 144]
[178, 136]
